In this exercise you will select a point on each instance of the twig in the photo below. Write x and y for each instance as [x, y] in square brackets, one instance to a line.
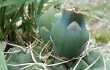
[7, 51]
[13, 51]
[17, 46]
[77, 64]
[62, 62]
[105, 68]
[65, 3]
[37, 40]
[20, 64]
[26, 14]
[40, 54]
[38, 68]
[57, 58]
[8, 59]
[33, 57]
[26, 67]
[92, 63]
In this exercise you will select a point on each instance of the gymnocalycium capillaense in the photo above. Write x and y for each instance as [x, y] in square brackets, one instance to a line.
[69, 34]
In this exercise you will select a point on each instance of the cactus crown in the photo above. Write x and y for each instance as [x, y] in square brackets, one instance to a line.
[74, 14]
[79, 15]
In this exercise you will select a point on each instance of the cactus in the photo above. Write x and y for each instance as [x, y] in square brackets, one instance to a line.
[13, 67]
[20, 57]
[34, 67]
[97, 69]
[24, 58]
[59, 67]
[81, 66]
[14, 56]
[69, 34]
[45, 24]
[90, 61]
[93, 55]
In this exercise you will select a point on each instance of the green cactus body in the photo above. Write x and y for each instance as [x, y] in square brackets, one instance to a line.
[13, 67]
[69, 34]
[88, 62]
[45, 24]
[81, 66]
[24, 58]
[93, 55]
[59, 67]
[97, 69]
